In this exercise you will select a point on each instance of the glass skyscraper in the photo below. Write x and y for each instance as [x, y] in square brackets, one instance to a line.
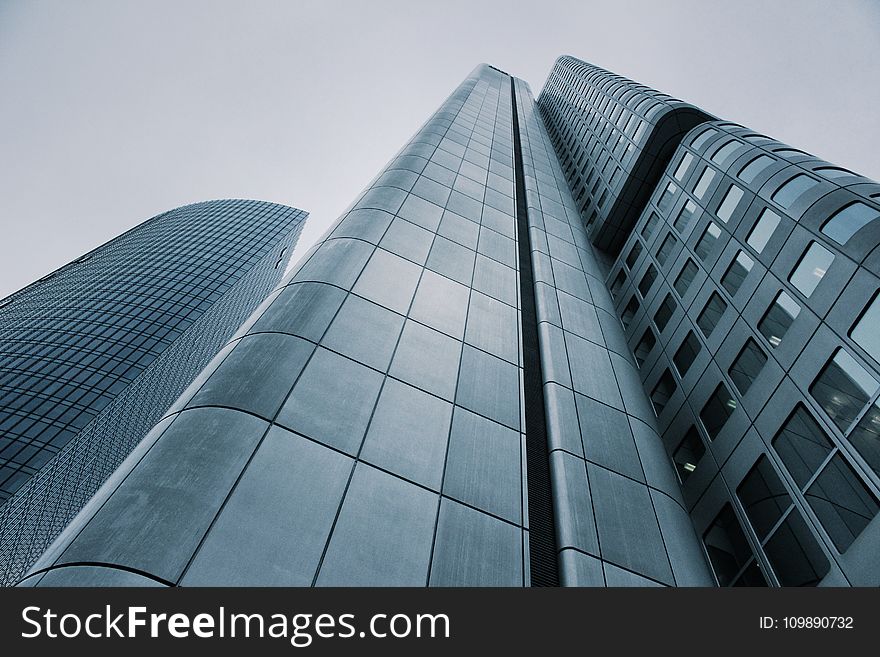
[92, 354]
[597, 339]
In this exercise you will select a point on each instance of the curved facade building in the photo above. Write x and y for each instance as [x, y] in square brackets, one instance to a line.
[613, 138]
[92, 354]
[749, 293]
[382, 416]
[601, 339]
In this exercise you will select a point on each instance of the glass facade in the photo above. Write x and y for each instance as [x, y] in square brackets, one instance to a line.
[522, 357]
[93, 353]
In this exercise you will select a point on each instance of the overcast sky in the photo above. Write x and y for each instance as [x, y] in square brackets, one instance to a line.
[114, 111]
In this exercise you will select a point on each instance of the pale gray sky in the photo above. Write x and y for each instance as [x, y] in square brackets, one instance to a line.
[112, 111]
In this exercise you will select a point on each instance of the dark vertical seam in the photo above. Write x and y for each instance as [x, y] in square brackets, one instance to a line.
[543, 562]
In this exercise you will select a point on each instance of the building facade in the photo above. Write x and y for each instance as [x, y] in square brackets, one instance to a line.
[92, 354]
[597, 339]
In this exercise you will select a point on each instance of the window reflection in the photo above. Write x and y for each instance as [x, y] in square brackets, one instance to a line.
[763, 230]
[779, 318]
[844, 223]
[811, 269]
[843, 388]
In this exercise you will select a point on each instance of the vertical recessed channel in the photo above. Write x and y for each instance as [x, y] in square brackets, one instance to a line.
[542, 533]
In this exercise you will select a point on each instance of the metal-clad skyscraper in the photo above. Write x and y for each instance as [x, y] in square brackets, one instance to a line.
[601, 339]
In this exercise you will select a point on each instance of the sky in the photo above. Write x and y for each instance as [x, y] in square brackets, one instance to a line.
[113, 111]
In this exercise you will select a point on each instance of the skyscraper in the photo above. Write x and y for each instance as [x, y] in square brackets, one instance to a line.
[547, 345]
[92, 354]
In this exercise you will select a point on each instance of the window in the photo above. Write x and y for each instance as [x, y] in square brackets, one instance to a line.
[685, 277]
[802, 445]
[711, 314]
[685, 216]
[650, 225]
[703, 183]
[755, 167]
[763, 496]
[811, 269]
[725, 151]
[728, 550]
[634, 254]
[663, 391]
[707, 240]
[834, 172]
[778, 318]
[844, 223]
[747, 366]
[794, 554]
[842, 389]
[720, 406]
[865, 437]
[629, 312]
[841, 501]
[664, 312]
[618, 283]
[666, 248]
[790, 152]
[702, 138]
[682, 168]
[647, 280]
[686, 353]
[728, 205]
[865, 331]
[793, 189]
[644, 347]
[763, 230]
[735, 275]
[688, 454]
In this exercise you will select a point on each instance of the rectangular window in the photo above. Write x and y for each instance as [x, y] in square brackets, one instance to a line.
[707, 240]
[711, 314]
[629, 312]
[717, 410]
[686, 353]
[735, 275]
[802, 445]
[663, 392]
[727, 547]
[842, 502]
[664, 312]
[618, 283]
[644, 347]
[755, 167]
[634, 254]
[778, 318]
[763, 496]
[842, 389]
[763, 230]
[794, 554]
[703, 183]
[647, 280]
[666, 248]
[688, 454]
[865, 437]
[650, 225]
[682, 167]
[728, 205]
[747, 366]
[792, 189]
[685, 216]
[866, 331]
[685, 277]
[811, 268]
[844, 223]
